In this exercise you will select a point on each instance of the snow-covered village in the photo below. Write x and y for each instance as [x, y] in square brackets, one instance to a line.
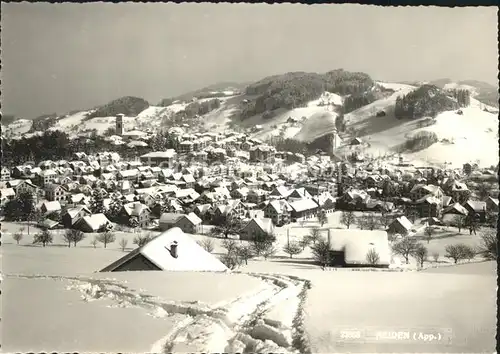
[296, 213]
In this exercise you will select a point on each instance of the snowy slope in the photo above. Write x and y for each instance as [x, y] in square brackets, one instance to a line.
[316, 126]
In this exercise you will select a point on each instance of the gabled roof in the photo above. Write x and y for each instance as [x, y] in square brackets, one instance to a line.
[476, 205]
[135, 208]
[357, 243]
[264, 224]
[303, 204]
[190, 255]
[193, 218]
[404, 222]
[52, 206]
[95, 221]
[454, 209]
[170, 218]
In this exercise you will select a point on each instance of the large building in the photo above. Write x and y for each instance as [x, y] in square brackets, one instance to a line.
[160, 158]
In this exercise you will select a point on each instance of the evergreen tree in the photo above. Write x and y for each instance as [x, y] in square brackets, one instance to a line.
[97, 202]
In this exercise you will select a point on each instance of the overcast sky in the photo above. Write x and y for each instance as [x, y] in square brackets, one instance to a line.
[60, 57]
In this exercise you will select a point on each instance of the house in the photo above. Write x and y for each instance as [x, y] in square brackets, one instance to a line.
[256, 196]
[349, 248]
[6, 194]
[477, 209]
[172, 250]
[428, 206]
[280, 192]
[420, 191]
[55, 192]
[400, 226]
[450, 213]
[460, 192]
[71, 216]
[492, 205]
[168, 220]
[256, 227]
[48, 223]
[303, 208]
[279, 211]
[189, 223]
[50, 207]
[5, 174]
[93, 223]
[261, 153]
[137, 210]
[24, 186]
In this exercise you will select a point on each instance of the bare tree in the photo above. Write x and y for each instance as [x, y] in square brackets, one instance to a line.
[68, 237]
[226, 225]
[322, 217]
[304, 242]
[18, 236]
[43, 237]
[321, 252]
[459, 221]
[229, 245]
[106, 237]
[231, 261]
[428, 232]
[314, 235]
[244, 253]
[73, 235]
[459, 251]
[347, 218]
[489, 245]
[420, 254]
[207, 244]
[372, 257]
[142, 240]
[94, 242]
[292, 248]
[385, 220]
[269, 251]
[261, 242]
[435, 256]
[405, 248]
[371, 221]
[123, 244]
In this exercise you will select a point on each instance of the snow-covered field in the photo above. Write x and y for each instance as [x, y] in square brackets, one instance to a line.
[260, 308]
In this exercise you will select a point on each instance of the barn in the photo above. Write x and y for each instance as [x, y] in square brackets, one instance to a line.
[172, 250]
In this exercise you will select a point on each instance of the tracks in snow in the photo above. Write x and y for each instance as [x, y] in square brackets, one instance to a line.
[267, 320]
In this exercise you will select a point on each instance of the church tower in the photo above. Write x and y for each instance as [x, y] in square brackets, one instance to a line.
[119, 124]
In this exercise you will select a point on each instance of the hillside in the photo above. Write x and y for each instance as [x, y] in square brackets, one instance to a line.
[296, 89]
[310, 107]
[482, 91]
[220, 89]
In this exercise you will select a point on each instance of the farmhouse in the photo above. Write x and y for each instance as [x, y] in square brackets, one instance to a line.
[349, 248]
[256, 227]
[172, 250]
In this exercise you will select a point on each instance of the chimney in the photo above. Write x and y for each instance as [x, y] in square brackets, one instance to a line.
[173, 249]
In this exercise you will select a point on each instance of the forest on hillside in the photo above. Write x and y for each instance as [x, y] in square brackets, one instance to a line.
[295, 89]
[426, 101]
[129, 106]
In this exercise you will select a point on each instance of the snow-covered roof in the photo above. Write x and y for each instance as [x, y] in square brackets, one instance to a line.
[160, 154]
[189, 256]
[52, 206]
[303, 204]
[357, 243]
[95, 221]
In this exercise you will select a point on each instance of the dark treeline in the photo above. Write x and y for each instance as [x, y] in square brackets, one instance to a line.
[129, 106]
[56, 145]
[295, 89]
[358, 100]
[462, 97]
[426, 101]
